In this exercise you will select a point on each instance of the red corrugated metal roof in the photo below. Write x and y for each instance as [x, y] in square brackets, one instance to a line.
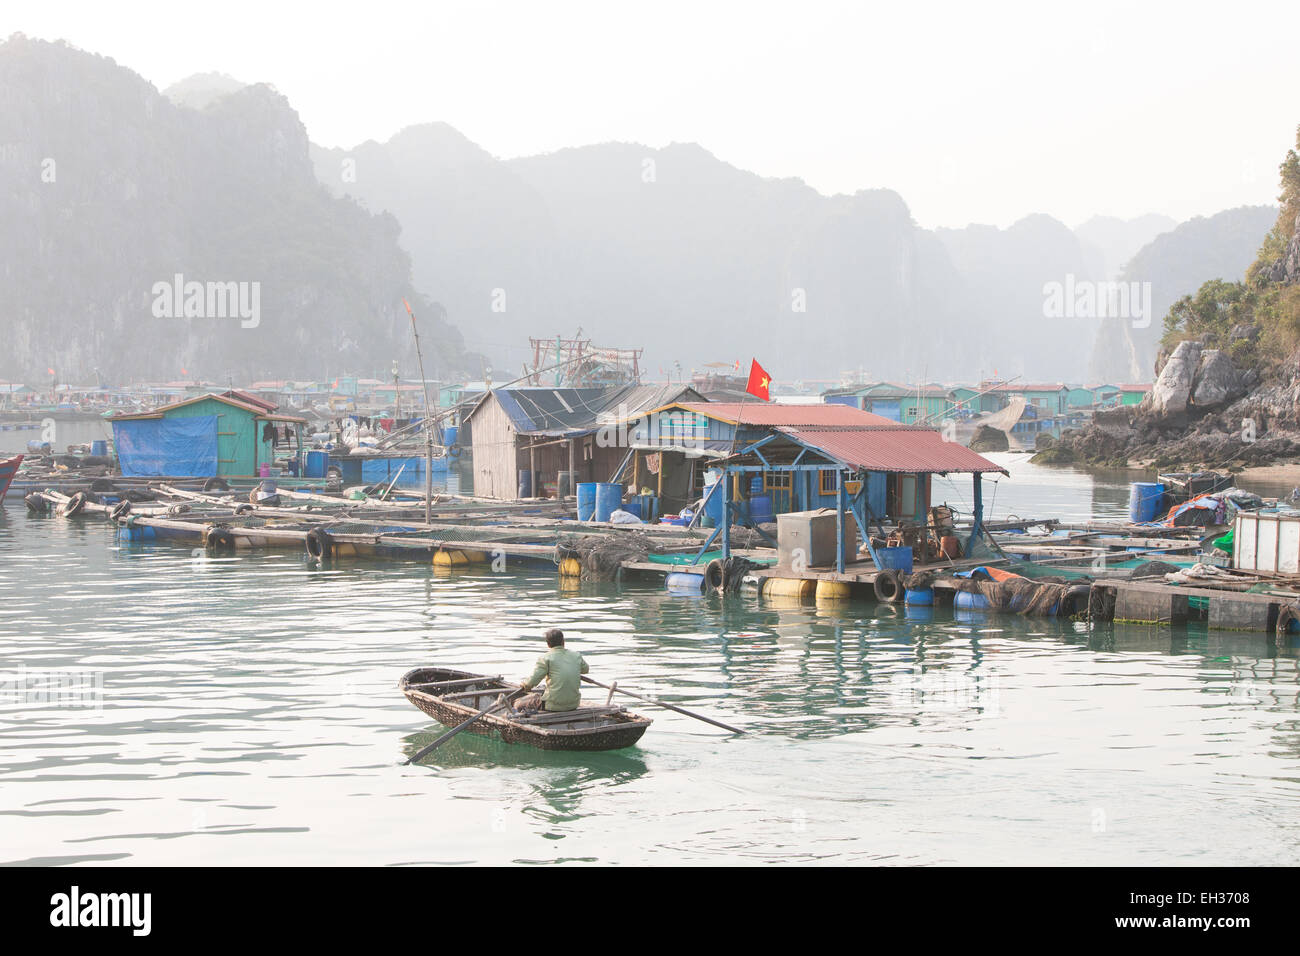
[772, 414]
[903, 448]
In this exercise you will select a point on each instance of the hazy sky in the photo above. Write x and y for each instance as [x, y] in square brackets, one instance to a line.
[977, 112]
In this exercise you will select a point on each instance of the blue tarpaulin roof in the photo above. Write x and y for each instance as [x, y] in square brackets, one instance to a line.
[167, 447]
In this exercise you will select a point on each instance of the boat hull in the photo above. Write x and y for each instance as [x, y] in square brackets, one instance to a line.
[8, 468]
[615, 732]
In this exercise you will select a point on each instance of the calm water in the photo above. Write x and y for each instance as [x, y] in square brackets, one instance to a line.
[248, 714]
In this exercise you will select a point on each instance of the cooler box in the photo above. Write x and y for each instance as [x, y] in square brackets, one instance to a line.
[813, 534]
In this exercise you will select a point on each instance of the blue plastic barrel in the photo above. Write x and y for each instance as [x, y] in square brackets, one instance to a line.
[900, 559]
[920, 613]
[318, 463]
[633, 507]
[756, 485]
[450, 434]
[919, 597]
[685, 581]
[608, 498]
[760, 508]
[525, 484]
[1144, 501]
[586, 500]
[970, 601]
[714, 504]
[99, 448]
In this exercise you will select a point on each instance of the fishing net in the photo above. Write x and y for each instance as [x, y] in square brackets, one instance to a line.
[602, 556]
[919, 580]
[1018, 595]
[734, 570]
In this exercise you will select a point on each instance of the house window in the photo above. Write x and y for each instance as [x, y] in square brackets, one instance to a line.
[776, 480]
[827, 483]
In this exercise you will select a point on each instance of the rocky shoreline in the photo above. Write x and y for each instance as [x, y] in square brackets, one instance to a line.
[1202, 413]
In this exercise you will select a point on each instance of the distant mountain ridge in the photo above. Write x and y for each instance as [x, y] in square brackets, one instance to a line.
[1176, 263]
[698, 260]
[668, 248]
[111, 189]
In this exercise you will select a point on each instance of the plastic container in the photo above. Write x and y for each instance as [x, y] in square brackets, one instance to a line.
[919, 597]
[633, 507]
[1144, 501]
[264, 470]
[609, 496]
[525, 484]
[318, 463]
[99, 448]
[970, 601]
[586, 500]
[685, 581]
[760, 509]
[564, 482]
[900, 559]
[713, 504]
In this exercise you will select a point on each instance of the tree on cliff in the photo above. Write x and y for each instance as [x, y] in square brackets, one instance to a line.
[1258, 318]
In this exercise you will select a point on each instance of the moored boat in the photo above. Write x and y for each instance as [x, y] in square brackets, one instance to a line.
[452, 697]
[8, 468]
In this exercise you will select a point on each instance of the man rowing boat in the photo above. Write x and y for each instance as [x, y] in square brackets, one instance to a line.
[563, 670]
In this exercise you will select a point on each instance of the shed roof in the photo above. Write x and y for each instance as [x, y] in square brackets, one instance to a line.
[254, 410]
[773, 415]
[563, 411]
[903, 448]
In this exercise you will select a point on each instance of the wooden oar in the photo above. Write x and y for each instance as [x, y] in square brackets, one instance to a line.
[490, 708]
[659, 703]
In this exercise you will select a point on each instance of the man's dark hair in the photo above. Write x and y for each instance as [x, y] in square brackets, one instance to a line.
[555, 637]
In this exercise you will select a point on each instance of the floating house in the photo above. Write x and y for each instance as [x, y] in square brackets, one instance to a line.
[524, 438]
[909, 404]
[213, 436]
[871, 470]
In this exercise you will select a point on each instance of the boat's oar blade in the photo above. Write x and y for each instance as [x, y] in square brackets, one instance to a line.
[659, 703]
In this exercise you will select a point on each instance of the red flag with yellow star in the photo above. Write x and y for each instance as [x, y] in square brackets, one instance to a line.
[759, 381]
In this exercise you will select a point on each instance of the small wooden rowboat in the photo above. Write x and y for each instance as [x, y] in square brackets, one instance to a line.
[452, 697]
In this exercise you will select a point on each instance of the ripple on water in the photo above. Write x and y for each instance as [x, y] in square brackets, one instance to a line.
[248, 713]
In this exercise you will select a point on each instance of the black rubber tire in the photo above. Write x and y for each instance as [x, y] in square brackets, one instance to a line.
[219, 539]
[319, 545]
[715, 577]
[888, 586]
[102, 485]
[74, 505]
[37, 503]
[243, 509]
[120, 510]
[216, 484]
[1075, 600]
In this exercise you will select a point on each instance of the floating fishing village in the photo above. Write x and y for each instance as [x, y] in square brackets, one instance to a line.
[716, 486]
[502, 435]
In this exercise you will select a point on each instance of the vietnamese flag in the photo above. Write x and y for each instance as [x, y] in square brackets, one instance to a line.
[759, 381]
